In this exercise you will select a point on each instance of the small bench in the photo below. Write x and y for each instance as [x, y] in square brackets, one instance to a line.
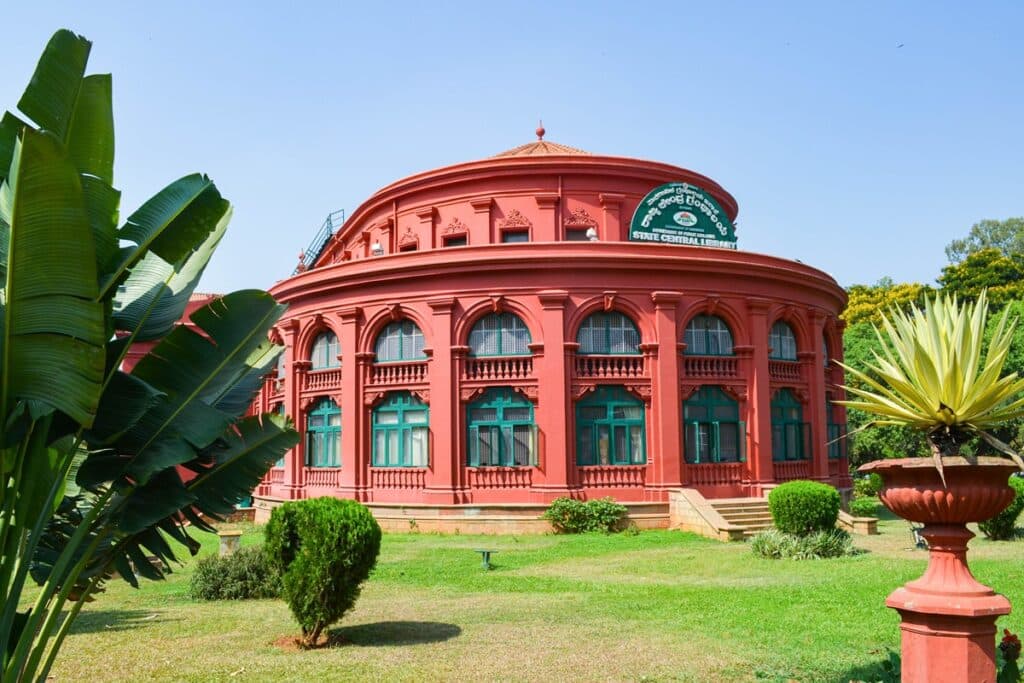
[485, 556]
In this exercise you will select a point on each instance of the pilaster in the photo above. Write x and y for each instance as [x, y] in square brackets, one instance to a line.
[666, 406]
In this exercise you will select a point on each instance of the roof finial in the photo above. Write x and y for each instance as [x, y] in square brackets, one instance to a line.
[540, 130]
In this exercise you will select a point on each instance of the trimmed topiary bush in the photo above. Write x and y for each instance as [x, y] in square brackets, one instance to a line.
[864, 507]
[573, 516]
[1003, 527]
[324, 549]
[776, 545]
[803, 507]
[244, 575]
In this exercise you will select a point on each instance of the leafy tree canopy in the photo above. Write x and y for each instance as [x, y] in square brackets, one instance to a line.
[1006, 236]
[990, 269]
[868, 302]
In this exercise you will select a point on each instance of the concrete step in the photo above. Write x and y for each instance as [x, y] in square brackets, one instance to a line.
[736, 509]
[748, 519]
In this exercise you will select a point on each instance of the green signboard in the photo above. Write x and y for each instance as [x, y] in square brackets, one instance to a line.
[680, 213]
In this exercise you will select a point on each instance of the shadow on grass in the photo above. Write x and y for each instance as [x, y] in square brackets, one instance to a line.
[884, 670]
[384, 633]
[100, 621]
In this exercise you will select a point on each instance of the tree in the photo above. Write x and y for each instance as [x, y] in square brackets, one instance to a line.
[868, 302]
[1006, 236]
[1002, 275]
[91, 458]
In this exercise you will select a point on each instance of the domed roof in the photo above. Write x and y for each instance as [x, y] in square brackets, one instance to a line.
[541, 147]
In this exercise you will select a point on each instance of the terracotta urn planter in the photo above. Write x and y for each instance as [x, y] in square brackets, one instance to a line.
[948, 617]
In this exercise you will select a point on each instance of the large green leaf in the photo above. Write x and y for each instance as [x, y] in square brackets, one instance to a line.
[173, 223]
[10, 128]
[52, 94]
[154, 296]
[91, 137]
[237, 399]
[53, 335]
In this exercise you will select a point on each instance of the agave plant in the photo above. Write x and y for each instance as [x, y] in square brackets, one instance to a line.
[932, 375]
[101, 470]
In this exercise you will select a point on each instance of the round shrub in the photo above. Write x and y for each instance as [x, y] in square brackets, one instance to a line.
[863, 507]
[244, 575]
[803, 507]
[324, 549]
[1002, 527]
[572, 516]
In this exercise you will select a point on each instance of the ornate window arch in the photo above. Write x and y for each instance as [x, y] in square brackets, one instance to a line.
[323, 434]
[401, 340]
[325, 351]
[610, 428]
[708, 335]
[782, 341]
[714, 432]
[608, 333]
[499, 334]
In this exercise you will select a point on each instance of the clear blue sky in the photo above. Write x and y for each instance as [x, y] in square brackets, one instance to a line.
[844, 150]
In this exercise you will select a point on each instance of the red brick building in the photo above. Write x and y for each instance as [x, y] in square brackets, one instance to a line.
[492, 334]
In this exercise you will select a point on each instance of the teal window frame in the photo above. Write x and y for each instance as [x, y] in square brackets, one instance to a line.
[500, 430]
[610, 333]
[408, 343]
[706, 335]
[790, 434]
[714, 431]
[499, 334]
[401, 432]
[323, 434]
[782, 341]
[602, 412]
[325, 351]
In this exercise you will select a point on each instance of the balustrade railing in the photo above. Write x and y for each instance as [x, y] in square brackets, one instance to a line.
[321, 476]
[274, 387]
[398, 373]
[277, 475]
[500, 477]
[794, 469]
[598, 476]
[510, 367]
[609, 367]
[715, 473]
[784, 370]
[323, 379]
[398, 477]
[711, 366]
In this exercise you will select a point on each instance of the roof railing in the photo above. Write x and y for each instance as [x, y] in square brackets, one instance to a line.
[330, 226]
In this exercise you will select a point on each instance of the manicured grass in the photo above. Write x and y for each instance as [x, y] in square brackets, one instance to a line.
[656, 606]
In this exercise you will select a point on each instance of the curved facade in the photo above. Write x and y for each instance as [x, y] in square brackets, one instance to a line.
[486, 333]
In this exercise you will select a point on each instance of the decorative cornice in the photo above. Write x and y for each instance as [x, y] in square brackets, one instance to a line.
[760, 306]
[515, 221]
[425, 214]
[442, 304]
[580, 219]
[481, 204]
[553, 298]
[666, 299]
[349, 315]
[547, 200]
[610, 199]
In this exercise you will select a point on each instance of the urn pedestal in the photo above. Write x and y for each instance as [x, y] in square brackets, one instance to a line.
[948, 617]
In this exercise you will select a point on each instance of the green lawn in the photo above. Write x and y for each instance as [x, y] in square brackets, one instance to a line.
[657, 606]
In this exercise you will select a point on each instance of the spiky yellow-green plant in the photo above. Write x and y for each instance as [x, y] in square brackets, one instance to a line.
[931, 375]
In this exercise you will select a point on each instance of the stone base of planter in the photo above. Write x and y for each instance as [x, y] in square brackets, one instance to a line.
[937, 648]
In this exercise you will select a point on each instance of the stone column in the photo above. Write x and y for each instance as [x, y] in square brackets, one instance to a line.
[295, 460]
[814, 374]
[548, 227]
[459, 452]
[554, 422]
[759, 391]
[612, 227]
[442, 479]
[361, 434]
[666, 407]
[351, 403]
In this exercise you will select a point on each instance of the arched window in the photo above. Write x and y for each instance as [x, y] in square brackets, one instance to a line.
[790, 434]
[714, 432]
[708, 335]
[782, 342]
[501, 431]
[608, 333]
[323, 434]
[325, 351]
[499, 334]
[610, 428]
[401, 340]
[400, 431]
